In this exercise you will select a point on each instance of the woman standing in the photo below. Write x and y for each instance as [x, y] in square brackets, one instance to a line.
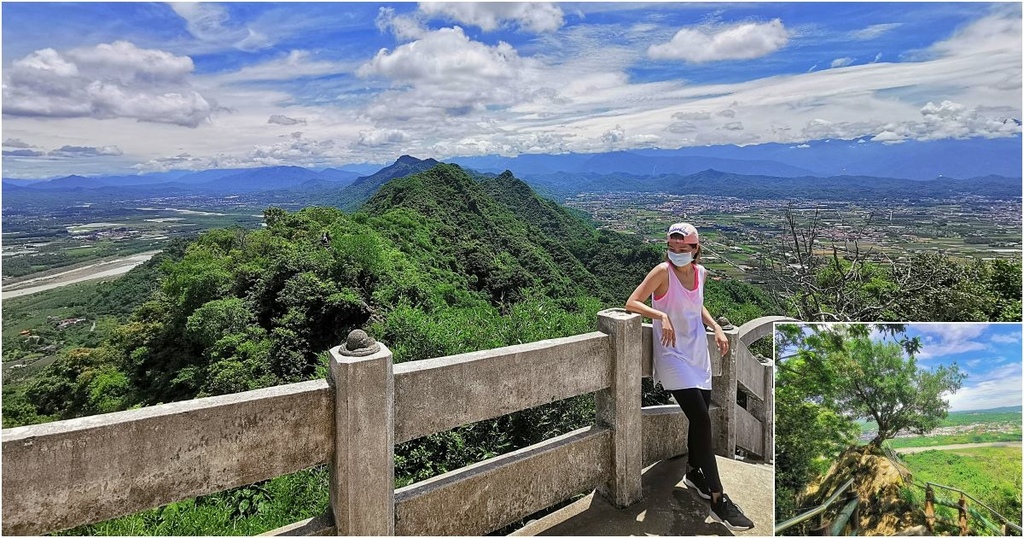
[681, 361]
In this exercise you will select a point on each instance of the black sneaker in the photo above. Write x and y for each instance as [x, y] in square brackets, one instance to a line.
[695, 481]
[729, 514]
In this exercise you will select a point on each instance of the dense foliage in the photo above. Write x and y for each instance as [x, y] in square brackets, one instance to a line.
[816, 278]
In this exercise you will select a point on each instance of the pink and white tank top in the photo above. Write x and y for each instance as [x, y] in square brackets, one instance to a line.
[687, 364]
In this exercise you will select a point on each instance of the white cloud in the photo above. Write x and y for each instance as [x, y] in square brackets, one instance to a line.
[877, 58]
[442, 75]
[695, 116]
[297, 64]
[86, 151]
[999, 32]
[446, 56]
[404, 27]
[987, 394]
[281, 119]
[873, 31]
[382, 137]
[105, 81]
[536, 17]
[23, 153]
[17, 143]
[211, 23]
[941, 339]
[1009, 338]
[294, 150]
[707, 44]
[842, 62]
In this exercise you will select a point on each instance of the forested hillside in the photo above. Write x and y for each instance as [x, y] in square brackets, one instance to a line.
[435, 263]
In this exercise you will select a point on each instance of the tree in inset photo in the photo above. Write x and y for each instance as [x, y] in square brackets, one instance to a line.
[898, 428]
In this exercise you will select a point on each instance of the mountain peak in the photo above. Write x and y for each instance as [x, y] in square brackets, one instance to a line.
[408, 159]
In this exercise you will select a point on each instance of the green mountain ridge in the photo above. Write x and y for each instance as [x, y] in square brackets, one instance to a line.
[435, 263]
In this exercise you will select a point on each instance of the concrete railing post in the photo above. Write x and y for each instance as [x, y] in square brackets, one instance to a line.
[362, 482]
[723, 393]
[769, 412]
[618, 406]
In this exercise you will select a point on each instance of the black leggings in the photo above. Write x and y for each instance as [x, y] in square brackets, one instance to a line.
[695, 404]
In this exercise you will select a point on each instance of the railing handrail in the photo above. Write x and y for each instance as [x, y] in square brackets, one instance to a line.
[969, 496]
[76, 439]
[813, 511]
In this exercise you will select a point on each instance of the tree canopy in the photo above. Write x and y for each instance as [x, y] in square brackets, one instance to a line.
[830, 375]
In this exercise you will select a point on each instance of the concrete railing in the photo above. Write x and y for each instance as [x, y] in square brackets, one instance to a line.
[74, 472]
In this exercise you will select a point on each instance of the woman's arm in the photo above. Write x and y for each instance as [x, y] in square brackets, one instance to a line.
[636, 303]
[720, 338]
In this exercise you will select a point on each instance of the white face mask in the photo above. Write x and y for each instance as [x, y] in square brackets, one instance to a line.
[680, 259]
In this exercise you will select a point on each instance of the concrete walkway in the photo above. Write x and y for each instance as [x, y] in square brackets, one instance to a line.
[668, 507]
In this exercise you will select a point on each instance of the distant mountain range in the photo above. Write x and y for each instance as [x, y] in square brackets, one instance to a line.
[823, 158]
[555, 176]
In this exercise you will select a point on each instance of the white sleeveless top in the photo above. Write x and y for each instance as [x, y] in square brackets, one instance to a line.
[687, 364]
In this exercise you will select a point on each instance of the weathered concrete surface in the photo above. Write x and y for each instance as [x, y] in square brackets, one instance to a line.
[749, 432]
[756, 329]
[668, 507]
[618, 406]
[68, 473]
[665, 431]
[486, 496]
[436, 395]
[723, 395]
[362, 478]
[750, 372]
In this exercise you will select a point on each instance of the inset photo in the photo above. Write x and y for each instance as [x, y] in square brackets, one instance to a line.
[898, 429]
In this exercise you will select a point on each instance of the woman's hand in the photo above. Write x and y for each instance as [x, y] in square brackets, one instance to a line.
[721, 341]
[668, 333]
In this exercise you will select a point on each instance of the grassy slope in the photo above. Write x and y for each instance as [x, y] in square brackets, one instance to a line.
[990, 474]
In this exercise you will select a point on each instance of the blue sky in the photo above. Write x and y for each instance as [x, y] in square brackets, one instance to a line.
[101, 88]
[990, 354]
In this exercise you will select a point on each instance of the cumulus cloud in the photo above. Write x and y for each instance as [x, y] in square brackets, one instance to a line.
[535, 17]
[693, 116]
[873, 31]
[17, 143]
[951, 120]
[444, 73]
[22, 153]
[295, 149]
[708, 44]
[733, 126]
[842, 62]
[614, 136]
[727, 113]
[86, 151]
[382, 137]
[403, 27]
[682, 127]
[181, 161]
[285, 120]
[106, 81]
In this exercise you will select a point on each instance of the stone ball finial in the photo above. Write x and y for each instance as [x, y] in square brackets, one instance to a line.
[359, 344]
[724, 322]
